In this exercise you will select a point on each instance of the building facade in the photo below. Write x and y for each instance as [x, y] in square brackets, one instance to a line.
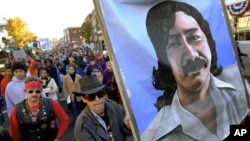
[96, 37]
[3, 36]
[72, 37]
[239, 20]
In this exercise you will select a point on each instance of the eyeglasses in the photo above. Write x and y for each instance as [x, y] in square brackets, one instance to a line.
[92, 97]
[36, 91]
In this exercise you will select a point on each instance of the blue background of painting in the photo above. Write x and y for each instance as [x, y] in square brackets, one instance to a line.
[134, 53]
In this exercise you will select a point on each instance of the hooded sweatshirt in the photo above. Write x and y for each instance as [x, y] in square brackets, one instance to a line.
[14, 93]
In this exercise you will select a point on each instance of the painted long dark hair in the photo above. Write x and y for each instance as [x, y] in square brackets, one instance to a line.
[160, 19]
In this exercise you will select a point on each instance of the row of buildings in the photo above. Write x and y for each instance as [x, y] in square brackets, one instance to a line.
[239, 18]
[72, 36]
[3, 35]
[240, 25]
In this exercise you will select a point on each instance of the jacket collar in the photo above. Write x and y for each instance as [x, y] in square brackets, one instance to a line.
[100, 131]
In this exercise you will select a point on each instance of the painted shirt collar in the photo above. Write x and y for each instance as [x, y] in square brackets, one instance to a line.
[182, 115]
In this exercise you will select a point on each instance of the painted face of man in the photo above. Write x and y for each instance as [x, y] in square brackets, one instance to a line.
[188, 53]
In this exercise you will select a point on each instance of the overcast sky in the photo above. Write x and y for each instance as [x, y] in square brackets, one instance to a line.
[47, 18]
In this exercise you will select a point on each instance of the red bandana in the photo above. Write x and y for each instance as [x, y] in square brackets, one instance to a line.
[33, 85]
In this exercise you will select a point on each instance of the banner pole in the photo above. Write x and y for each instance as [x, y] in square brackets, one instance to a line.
[117, 73]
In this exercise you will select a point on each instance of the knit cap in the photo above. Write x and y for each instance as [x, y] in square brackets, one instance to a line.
[18, 66]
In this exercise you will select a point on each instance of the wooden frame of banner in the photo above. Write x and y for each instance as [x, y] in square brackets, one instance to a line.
[118, 75]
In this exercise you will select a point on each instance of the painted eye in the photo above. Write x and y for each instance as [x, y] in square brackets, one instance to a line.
[173, 45]
[193, 38]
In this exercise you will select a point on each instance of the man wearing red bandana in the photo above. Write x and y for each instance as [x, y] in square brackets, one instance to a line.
[14, 90]
[35, 117]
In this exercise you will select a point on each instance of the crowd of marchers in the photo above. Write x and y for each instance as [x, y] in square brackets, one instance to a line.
[32, 89]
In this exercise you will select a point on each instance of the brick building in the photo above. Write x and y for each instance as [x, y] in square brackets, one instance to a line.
[72, 36]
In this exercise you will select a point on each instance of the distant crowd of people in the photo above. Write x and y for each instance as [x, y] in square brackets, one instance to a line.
[32, 89]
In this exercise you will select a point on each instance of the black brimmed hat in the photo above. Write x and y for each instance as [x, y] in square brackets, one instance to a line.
[89, 85]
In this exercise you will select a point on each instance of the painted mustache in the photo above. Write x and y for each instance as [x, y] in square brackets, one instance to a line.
[195, 65]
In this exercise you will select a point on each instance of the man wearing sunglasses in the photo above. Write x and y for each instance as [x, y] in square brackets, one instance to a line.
[36, 117]
[14, 90]
[101, 119]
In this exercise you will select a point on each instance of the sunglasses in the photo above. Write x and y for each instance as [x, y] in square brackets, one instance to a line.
[92, 97]
[36, 91]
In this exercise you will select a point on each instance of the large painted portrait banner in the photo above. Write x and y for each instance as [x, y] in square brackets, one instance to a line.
[178, 65]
